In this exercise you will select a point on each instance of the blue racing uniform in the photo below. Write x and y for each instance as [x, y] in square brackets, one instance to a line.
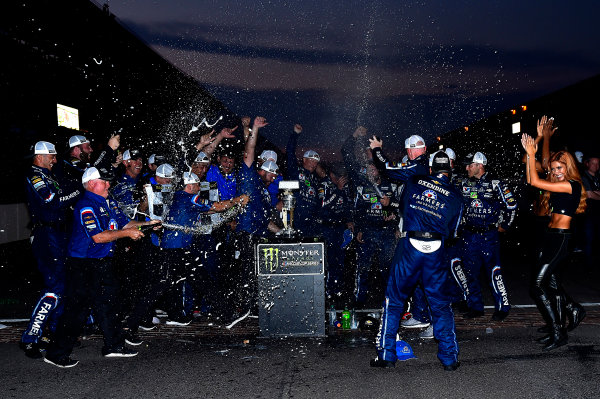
[307, 201]
[255, 218]
[48, 205]
[431, 210]
[378, 225]
[225, 183]
[488, 204]
[334, 214]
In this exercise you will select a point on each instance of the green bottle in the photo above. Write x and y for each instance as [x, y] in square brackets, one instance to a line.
[346, 319]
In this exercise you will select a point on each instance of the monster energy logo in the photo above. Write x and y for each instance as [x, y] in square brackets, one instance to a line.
[271, 257]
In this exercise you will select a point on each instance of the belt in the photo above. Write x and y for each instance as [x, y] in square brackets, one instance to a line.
[558, 231]
[481, 229]
[424, 234]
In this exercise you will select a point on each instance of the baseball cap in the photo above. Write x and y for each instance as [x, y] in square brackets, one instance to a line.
[93, 173]
[404, 351]
[128, 155]
[151, 159]
[44, 148]
[413, 142]
[165, 171]
[579, 156]
[76, 140]
[478, 157]
[190, 178]
[269, 166]
[451, 153]
[268, 154]
[202, 158]
[310, 154]
[440, 162]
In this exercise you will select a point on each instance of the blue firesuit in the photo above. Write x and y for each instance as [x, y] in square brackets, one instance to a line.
[432, 210]
[91, 278]
[48, 206]
[378, 226]
[225, 183]
[489, 203]
[307, 201]
[334, 214]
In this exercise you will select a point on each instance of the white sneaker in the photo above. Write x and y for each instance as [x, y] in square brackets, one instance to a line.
[427, 333]
[414, 323]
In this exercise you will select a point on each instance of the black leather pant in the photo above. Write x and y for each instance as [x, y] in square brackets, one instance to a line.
[546, 288]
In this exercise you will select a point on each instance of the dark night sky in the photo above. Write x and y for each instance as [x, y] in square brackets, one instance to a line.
[397, 67]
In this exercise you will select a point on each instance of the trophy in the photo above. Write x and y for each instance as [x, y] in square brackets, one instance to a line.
[289, 203]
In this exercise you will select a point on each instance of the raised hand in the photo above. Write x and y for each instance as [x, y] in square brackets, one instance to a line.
[374, 142]
[259, 122]
[297, 128]
[528, 144]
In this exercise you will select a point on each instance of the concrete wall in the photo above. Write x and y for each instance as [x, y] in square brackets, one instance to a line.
[14, 219]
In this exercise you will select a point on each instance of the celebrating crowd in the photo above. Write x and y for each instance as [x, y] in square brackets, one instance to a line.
[115, 238]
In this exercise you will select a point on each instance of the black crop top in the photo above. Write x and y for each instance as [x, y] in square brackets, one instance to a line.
[564, 203]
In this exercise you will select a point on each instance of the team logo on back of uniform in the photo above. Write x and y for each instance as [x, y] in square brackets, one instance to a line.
[430, 194]
[476, 204]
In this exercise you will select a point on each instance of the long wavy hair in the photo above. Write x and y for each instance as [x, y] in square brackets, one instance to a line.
[572, 173]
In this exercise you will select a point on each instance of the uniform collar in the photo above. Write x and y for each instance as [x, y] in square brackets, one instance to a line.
[95, 197]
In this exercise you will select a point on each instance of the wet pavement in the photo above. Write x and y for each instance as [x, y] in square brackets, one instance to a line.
[208, 360]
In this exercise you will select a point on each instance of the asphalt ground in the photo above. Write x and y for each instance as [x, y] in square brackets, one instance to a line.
[207, 360]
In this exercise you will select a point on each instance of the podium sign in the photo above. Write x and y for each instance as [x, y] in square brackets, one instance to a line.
[291, 289]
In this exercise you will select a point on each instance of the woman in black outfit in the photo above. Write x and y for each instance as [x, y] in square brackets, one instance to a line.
[563, 197]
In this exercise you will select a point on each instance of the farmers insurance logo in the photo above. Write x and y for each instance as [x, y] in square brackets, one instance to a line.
[271, 258]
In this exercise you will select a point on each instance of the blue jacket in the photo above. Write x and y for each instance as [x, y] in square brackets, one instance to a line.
[255, 218]
[488, 203]
[431, 204]
[307, 202]
[46, 200]
[124, 192]
[185, 210]
[94, 214]
[400, 172]
[225, 183]
[336, 207]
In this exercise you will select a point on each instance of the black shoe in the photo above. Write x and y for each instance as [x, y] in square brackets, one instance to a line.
[63, 362]
[132, 339]
[118, 352]
[31, 349]
[451, 367]
[557, 342]
[577, 315]
[378, 362]
[473, 314]
[546, 339]
[545, 329]
[499, 315]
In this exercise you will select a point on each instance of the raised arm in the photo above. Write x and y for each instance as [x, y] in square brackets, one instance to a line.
[250, 147]
[546, 130]
[225, 133]
[530, 147]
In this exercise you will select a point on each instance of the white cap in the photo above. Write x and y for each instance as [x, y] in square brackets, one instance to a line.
[478, 157]
[579, 156]
[44, 148]
[268, 155]
[128, 155]
[190, 178]
[165, 171]
[310, 154]
[202, 158]
[413, 142]
[450, 152]
[269, 166]
[93, 173]
[151, 159]
[431, 159]
[76, 140]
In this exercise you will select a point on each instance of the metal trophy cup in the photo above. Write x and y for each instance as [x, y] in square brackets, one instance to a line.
[289, 203]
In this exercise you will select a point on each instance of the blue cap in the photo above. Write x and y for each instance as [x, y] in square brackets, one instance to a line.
[404, 351]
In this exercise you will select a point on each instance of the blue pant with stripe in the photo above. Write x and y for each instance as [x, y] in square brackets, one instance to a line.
[408, 268]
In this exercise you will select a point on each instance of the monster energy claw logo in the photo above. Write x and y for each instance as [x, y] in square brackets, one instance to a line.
[271, 257]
